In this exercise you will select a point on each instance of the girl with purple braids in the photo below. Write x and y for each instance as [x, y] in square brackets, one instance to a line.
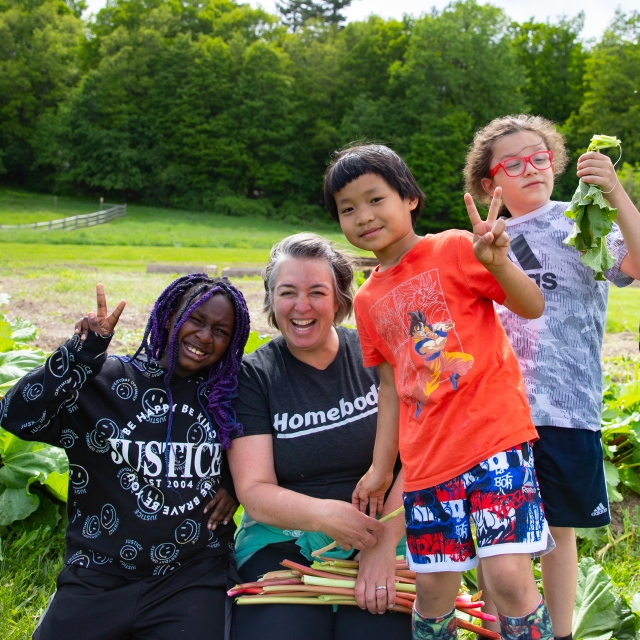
[149, 544]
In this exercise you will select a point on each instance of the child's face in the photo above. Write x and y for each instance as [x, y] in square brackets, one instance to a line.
[205, 336]
[372, 214]
[532, 189]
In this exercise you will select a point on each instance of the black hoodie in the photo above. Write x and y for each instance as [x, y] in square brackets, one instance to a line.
[111, 416]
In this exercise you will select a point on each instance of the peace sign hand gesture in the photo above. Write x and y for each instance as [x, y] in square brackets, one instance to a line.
[100, 322]
[490, 241]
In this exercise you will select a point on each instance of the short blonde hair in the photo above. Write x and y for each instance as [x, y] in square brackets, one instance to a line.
[478, 163]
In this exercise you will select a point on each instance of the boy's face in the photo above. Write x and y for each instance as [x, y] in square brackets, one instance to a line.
[532, 189]
[372, 214]
[204, 337]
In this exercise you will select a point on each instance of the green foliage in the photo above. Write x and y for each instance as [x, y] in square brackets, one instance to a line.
[612, 99]
[593, 218]
[39, 44]
[623, 312]
[31, 562]
[255, 341]
[598, 613]
[30, 472]
[621, 435]
[554, 59]
[629, 177]
[217, 106]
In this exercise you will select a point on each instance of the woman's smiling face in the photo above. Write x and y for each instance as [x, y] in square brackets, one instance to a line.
[304, 304]
[204, 337]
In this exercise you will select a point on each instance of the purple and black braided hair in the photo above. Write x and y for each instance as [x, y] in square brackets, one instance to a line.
[195, 289]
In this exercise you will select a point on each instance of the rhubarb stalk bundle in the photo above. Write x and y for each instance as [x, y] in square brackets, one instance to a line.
[333, 582]
[593, 218]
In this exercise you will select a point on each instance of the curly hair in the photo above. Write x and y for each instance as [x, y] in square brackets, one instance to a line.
[479, 157]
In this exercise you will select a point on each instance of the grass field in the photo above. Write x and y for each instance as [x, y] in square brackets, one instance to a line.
[148, 226]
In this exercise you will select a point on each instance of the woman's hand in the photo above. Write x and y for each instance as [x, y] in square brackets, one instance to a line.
[597, 168]
[347, 526]
[490, 241]
[224, 506]
[100, 322]
[377, 569]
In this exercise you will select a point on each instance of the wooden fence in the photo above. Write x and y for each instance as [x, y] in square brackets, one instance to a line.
[112, 212]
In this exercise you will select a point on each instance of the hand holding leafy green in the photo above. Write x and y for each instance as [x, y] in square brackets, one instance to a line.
[593, 218]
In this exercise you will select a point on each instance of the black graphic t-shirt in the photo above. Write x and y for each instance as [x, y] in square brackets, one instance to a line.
[323, 422]
[133, 509]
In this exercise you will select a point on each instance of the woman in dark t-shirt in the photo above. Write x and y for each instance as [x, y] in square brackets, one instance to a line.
[309, 410]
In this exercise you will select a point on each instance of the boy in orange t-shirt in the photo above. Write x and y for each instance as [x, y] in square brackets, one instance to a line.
[451, 393]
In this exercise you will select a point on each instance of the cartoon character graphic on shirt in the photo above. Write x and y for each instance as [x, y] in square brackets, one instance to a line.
[429, 341]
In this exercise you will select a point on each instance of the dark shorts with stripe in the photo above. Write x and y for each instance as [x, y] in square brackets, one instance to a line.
[570, 470]
[190, 603]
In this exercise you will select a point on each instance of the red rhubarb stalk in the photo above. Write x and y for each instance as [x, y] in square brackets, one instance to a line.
[312, 572]
[463, 624]
[477, 614]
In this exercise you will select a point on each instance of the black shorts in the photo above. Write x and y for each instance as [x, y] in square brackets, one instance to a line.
[570, 471]
[309, 622]
[187, 603]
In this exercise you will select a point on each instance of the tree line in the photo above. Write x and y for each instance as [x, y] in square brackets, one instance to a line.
[215, 105]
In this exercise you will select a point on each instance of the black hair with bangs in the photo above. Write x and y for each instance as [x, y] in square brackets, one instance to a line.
[350, 163]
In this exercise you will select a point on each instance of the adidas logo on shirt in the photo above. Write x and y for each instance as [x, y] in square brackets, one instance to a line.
[599, 510]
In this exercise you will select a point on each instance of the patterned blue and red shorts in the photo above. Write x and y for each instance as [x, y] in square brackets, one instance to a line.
[502, 498]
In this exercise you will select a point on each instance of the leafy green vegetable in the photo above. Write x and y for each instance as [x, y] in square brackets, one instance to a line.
[621, 436]
[612, 476]
[23, 464]
[593, 218]
[14, 364]
[254, 341]
[598, 614]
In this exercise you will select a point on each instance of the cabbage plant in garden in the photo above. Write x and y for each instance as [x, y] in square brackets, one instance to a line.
[621, 435]
[33, 475]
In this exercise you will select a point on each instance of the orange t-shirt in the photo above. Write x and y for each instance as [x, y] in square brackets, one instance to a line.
[431, 317]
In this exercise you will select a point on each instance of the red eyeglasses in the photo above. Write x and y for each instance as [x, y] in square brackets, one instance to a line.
[516, 166]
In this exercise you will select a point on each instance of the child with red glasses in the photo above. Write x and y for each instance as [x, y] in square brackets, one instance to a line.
[559, 353]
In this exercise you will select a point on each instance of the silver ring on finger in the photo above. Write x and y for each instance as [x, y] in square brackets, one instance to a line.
[381, 586]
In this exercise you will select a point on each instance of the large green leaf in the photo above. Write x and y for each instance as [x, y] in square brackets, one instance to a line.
[6, 341]
[58, 485]
[612, 476]
[5, 386]
[255, 341]
[14, 364]
[594, 614]
[629, 395]
[16, 504]
[46, 515]
[29, 460]
[626, 628]
[629, 478]
[22, 330]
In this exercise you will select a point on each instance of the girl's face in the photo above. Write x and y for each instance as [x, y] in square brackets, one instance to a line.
[304, 304]
[532, 189]
[204, 337]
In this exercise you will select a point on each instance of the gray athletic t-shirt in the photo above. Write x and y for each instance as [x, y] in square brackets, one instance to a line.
[559, 353]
